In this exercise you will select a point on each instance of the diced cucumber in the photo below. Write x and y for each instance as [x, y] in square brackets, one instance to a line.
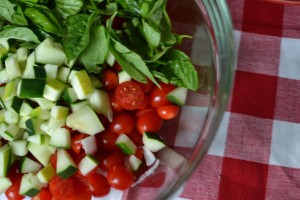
[59, 112]
[5, 158]
[53, 90]
[2, 118]
[46, 174]
[96, 83]
[29, 72]
[31, 88]
[61, 138]
[49, 52]
[149, 156]
[87, 164]
[22, 54]
[178, 96]
[134, 162]
[85, 120]
[16, 104]
[33, 126]
[25, 109]
[69, 95]
[78, 104]
[63, 74]
[89, 144]
[51, 71]
[5, 183]
[82, 84]
[12, 67]
[10, 89]
[11, 117]
[3, 127]
[29, 166]
[110, 59]
[4, 76]
[123, 77]
[19, 147]
[45, 104]
[74, 70]
[30, 185]
[152, 141]
[65, 166]
[125, 144]
[39, 113]
[40, 152]
[99, 102]
[39, 72]
[37, 139]
[22, 122]
[11, 132]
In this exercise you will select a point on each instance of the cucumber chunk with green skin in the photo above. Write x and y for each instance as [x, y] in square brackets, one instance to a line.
[61, 138]
[51, 71]
[28, 71]
[78, 104]
[31, 88]
[82, 84]
[25, 109]
[19, 147]
[45, 104]
[178, 96]
[134, 162]
[87, 164]
[63, 74]
[30, 185]
[40, 152]
[11, 132]
[10, 89]
[29, 166]
[100, 103]
[5, 159]
[59, 112]
[65, 166]
[39, 72]
[152, 141]
[5, 183]
[12, 67]
[39, 113]
[33, 126]
[46, 174]
[53, 90]
[69, 95]
[16, 104]
[125, 144]
[38, 138]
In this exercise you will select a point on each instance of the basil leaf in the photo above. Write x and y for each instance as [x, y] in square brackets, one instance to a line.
[44, 19]
[69, 7]
[131, 7]
[184, 72]
[12, 13]
[160, 76]
[19, 33]
[96, 51]
[77, 37]
[151, 33]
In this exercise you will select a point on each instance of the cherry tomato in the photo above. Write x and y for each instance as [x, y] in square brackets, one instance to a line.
[147, 87]
[122, 123]
[109, 79]
[107, 141]
[130, 95]
[82, 189]
[99, 185]
[115, 105]
[136, 138]
[117, 67]
[111, 160]
[43, 195]
[158, 96]
[120, 177]
[139, 153]
[168, 112]
[149, 121]
[61, 188]
[104, 121]
[12, 193]
[76, 143]
[145, 103]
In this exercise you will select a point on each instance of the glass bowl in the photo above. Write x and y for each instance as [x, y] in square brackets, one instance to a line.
[212, 52]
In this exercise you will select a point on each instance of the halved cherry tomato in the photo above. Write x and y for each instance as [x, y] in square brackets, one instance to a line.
[111, 160]
[149, 121]
[158, 96]
[107, 141]
[61, 188]
[43, 195]
[109, 79]
[82, 189]
[115, 105]
[168, 112]
[120, 177]
[99, 185]
[147, 87]
[12, 193]
[130, 95]
[76, 142]
[122, 123]
[145, 103]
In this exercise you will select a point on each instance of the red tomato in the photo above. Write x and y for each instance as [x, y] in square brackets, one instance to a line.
[12, 193]
[106, 141]
[168, 112]
[122, 123]
[149, 121]
[109, 79]
[120, 177]
[53, 160]
[111, 160]
[130, 95]
[104, 121]
[139, 153]
[145, 103]
[115, 105]
[147, 87]
[117, 67]
[158, 96]
[43, 195]
[76, 142]
[82, 189]
[99, 185]
[61, 188]
[136, 138]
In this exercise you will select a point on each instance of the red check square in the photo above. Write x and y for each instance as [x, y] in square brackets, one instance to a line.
[236, 10]
[263, 17]
[291, 22]
[256, 97]
[243, 180]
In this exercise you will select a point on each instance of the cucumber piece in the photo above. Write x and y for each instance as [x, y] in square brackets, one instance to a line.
[89, 144]
[82, 84]
[40, 152]
[49, 52]
[30, 185]
[25, 109]
[178, 96]
[11, 117]
[19, 147]
[134, 162]
[123, 77]
[28, 71]
[96, 83]
[78, 104]
[10, 89]
[53, 90]
[61, 138]
[22, 122]
[5, 183]
[33, 126]
[3, 127]
[149, 156]
[152, 141]
[37, 139]
[44, 103]
[74, 70]
[65, 166]
[125, 144]
[3, 76]
[31, 88]
[5, 160]
[39, 72]
[29, 166]
[63, 74]
[16, 104]
[39, 113]
[99, 102]
[87, 164]
[12, 67]
[46, 174]
[2, 118]
[59, 112]
[11, 132]
[51, 71]
[69, 95]
[22, 54]
[110, 59]
[85, 120]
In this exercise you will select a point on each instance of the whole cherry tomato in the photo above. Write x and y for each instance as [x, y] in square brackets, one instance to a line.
[168, 112]
[122, 123]
[61, 188]
[107, 141]
[148, 121]
[99, 185]
[109, 79]
[43, 195]
[111, 160]
[12, 193]
[147, 87]
[120, 177]
[158, 95]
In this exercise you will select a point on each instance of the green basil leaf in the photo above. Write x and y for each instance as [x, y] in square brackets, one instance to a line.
[77, 37]
[69, 7]
[96, 51]
[130, 7]
[12, 13]
[160, 76]
[151, 33]
[19, 33]
[44, 19]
